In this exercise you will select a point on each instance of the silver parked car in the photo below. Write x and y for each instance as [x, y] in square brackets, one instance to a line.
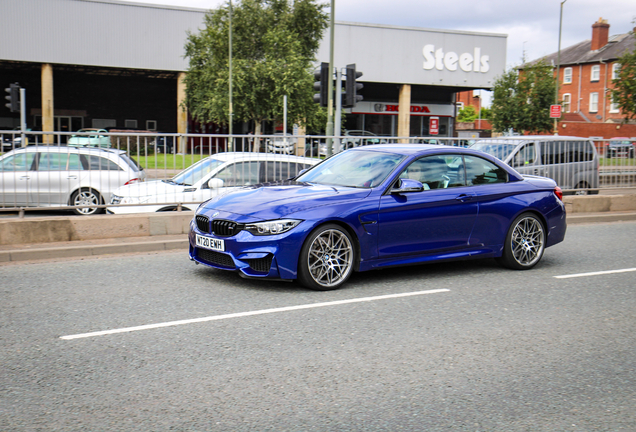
[54, 176]
[570, 161]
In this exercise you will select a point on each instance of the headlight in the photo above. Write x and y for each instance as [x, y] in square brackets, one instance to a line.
[272, 227]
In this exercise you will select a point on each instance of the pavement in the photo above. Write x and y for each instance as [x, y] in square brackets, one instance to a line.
[35, 239]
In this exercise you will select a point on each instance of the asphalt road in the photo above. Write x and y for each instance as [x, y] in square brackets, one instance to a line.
[473, 347]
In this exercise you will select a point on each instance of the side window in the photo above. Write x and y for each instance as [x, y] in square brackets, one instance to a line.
[553, 152]
[525, 156]
[435, 173]
[579, 151]
[281, 170]
[239, 174]
[18, 162]
[74, 163]
[52, 161]
[96, 163]
[480, 171]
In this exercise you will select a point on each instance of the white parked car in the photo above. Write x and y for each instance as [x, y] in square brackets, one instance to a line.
[56, 176]
[279, 143]
[207, 178]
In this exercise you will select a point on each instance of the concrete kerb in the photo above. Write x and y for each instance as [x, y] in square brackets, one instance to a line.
[75, 236]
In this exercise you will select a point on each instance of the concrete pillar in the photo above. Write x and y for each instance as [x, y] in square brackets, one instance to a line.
[182, 113]
[300, 144]
[404, 113]
[48, 119]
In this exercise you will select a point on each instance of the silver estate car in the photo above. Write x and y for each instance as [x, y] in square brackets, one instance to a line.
[54, 176]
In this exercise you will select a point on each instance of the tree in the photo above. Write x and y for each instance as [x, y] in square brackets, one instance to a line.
[485, 114]
[468, 114]
[521, 101]
[273, 49]
[624, 91]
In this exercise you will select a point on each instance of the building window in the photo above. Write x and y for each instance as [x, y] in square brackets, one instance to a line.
[567, 98]
[593, 102]
[130, 124]
[151, 125]
[614, 108]
[596, 73]
[567, 75]
[616, 69]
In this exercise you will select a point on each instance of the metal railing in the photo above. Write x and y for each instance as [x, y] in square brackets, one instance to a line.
[162, 156]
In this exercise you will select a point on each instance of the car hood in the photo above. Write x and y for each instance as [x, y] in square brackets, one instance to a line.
[276, 200]
[157, 187]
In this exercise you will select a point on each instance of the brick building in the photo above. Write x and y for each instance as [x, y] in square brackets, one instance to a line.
[585, 77]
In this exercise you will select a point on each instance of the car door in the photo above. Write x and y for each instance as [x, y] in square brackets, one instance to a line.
[439, 218]
[234, 175]
[554, 159]
[16, 176]
[488, 184]
[53, 181]
[524, 160]
[99, 173]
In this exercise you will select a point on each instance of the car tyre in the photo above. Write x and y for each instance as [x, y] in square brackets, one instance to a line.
[86, 196]
[326, 258]
[525, 243]
[582, 188]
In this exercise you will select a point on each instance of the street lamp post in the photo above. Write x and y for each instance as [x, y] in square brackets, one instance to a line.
[330, 83]
[556, 92]
[231, 113]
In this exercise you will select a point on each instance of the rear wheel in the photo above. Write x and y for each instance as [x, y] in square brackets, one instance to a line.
[525, 243]
[86, 197]
[326, 259]
[582, 188]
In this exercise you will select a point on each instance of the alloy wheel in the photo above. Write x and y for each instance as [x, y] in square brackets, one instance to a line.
[527, 241]
[330, 258]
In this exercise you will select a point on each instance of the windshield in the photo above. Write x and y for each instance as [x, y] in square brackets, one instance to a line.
[196, 172]
[498, 150]
[353, 169]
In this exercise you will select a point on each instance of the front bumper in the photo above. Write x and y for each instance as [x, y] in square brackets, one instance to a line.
[271, 257]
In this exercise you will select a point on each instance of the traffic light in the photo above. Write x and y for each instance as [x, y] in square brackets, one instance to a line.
[351, 87]
[322, 84]
[13, 97]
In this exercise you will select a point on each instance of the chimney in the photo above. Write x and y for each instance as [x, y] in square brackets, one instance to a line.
[600, 34]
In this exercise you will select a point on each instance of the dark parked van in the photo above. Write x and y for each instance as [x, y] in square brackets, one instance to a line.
[570, 161]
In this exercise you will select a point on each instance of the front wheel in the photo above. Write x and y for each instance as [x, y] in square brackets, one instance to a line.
[326, 259]
[525, 243]
[86, 197]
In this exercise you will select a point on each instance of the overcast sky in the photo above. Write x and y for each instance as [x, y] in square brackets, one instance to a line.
[532, 26]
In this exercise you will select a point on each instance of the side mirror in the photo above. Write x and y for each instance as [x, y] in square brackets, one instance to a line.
[215, 183]
[407, 186]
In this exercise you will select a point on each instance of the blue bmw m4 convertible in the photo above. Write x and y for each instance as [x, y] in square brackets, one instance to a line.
[378, 206]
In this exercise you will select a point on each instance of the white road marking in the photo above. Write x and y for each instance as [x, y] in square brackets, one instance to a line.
[246, 314]
[595, 273]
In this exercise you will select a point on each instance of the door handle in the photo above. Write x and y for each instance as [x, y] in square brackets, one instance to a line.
[464, 198]
[72, 177]
[25, 178]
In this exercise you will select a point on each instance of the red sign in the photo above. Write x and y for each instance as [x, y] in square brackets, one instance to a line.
[555, 111]
[433, 126]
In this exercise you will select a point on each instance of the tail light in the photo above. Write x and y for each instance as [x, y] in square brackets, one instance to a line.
[558, 192]
[131, 181]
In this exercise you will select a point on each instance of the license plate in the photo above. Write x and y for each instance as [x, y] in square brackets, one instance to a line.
[210, 243]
